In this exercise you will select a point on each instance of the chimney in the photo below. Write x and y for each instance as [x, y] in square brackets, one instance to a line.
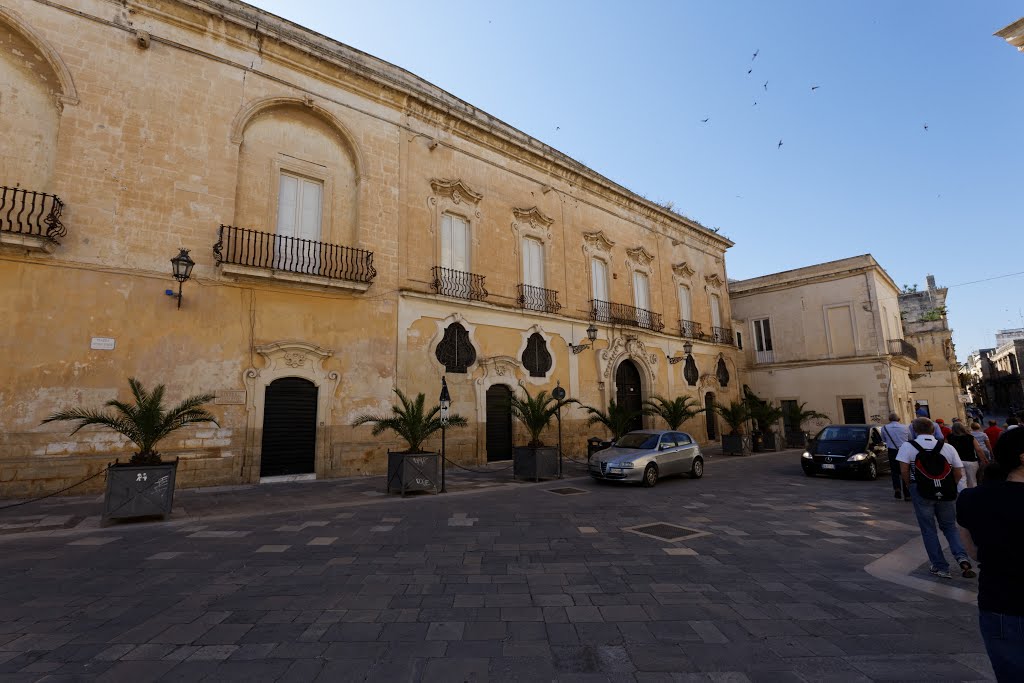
[931, 283]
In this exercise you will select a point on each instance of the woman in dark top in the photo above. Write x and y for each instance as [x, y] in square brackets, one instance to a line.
[970, 452]
[992, 517]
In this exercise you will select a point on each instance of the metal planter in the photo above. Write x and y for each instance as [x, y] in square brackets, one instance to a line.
[772, 441]
[535, 463]
[414, 472]
[736, 444]
[139, 491]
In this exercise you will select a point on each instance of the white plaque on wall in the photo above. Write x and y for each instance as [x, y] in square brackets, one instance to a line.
[102, 343]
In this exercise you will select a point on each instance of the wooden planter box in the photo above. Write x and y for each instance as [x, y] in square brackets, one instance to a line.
[535, 463]
[414, 472]
[139, 491]
[736, 444]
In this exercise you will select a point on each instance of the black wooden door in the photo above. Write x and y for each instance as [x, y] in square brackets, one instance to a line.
[853, 411]
[628, 392]
[289, 428]
[710, 416]
[499, 423]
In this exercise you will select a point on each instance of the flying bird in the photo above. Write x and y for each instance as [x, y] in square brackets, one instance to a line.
[815, 87]
[766, 86]
[926, 127]
[754, 104]
[779, 145]
[755, 54]
[705, 120]
[558, 128]
[748, 71]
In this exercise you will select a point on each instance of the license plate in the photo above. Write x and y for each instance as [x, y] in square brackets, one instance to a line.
[828, 467]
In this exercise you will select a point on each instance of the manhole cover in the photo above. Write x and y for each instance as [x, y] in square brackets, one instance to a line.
[666, 532]
[566, 491]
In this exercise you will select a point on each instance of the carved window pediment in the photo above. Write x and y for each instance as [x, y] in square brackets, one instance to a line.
[597, 241]
[534, 216]
[640, 256]
[455, 190]
[713, 280]
[683, 270]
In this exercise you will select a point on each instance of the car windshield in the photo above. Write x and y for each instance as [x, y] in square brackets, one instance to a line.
[844, 434]
[638, 440]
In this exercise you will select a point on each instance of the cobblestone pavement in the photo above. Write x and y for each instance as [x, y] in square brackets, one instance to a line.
[764, 582]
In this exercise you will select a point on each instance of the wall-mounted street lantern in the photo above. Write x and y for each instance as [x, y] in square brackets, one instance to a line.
[445, 401]
[181, 267]
[591, 335]
[928, 367]
[687, 353]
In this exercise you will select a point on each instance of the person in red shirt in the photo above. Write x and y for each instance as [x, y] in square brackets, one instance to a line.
[946, 431]
[993, 432]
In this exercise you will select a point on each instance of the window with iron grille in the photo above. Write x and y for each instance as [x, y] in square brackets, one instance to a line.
[722, 373]
[536, 357]
[455, 351]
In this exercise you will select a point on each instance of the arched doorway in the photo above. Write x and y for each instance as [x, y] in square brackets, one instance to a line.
[289, 428]
[499, 423]
[629, 392]
[710, 416]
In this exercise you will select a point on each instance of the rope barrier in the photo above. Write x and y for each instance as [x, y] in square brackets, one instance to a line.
[497, 469]
[41, 498]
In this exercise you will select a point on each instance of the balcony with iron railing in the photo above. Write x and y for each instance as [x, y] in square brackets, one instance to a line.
[458, 284]
[621, 314]
[538, 299]
[901, 347]
[689, 329]
[721, 335]
[30, 219]
[766, 356]
[252, 253]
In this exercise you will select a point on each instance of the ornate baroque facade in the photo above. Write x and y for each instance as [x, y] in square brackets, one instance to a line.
[355, 229]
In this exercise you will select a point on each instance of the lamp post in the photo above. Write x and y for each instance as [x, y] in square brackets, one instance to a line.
[181, 267]
[687, 351]
[928, 367]
[445, 401]
[591, 335]
[559, 393]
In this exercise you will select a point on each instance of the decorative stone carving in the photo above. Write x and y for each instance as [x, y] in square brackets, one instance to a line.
[639, 257]
[596, 242]
[628, 346]
[455, 190]
[497, 366]
[682, 270]
[531, 223]
[294, 359]
[713, 280]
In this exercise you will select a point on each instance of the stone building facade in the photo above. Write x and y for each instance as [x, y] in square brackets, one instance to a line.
[355, 229]
[927, 327]
[1005, 383]
[827, 335]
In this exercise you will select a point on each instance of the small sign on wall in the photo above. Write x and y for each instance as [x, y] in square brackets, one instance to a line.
[102, 344]
[230, 397]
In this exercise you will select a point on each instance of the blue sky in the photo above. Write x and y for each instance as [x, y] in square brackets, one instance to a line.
[623, 88]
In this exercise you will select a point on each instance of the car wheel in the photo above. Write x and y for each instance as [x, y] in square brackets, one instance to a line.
[650, 475]
[697, 468]
[872, 472]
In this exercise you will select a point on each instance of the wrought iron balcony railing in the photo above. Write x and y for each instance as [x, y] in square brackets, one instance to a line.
[621, 314]
[538, 299]
[721, 335]
[30, 213]
[690, 330]
[767, 356]
[458, 284]
[901, 347]
[244, 247]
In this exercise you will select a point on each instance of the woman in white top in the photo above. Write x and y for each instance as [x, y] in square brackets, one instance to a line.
[982, 438]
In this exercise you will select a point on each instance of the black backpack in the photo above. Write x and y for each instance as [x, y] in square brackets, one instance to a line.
[933, 473]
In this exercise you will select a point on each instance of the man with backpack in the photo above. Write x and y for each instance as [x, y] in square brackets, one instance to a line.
[931, 470]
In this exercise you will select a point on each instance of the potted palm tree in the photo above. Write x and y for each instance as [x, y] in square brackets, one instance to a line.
[413, 469]
[793, 416]
[617, 419]
[735, 415]
[535, 460]
[674, 412]
[144, 486]
[765, 416]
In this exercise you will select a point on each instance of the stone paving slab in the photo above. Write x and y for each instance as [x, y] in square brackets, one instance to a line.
[521, 593]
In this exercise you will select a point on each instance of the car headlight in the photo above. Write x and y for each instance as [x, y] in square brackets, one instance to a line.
[623, 466]
[807, 455]
[858, 457]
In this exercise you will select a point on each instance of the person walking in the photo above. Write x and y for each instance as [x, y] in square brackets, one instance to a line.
[993, 433]
[992, 521]
[982, 438]
[970, 452]
[895, 434]
[931, 469]
[946, 431]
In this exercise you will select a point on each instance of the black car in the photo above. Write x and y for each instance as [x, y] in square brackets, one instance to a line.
[846, 449]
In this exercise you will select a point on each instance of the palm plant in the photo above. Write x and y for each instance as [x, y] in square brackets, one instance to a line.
[617, 419]
[675, 411]
[535, 413]
[410, 420]
[796, 414]
[145, 423]
[734, 415]
[762, 412]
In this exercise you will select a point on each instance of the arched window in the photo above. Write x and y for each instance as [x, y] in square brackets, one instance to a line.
[536, 357]
[455, 351]
[722, 373]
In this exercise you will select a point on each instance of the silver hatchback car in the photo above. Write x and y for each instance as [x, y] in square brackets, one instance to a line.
[646, 455]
